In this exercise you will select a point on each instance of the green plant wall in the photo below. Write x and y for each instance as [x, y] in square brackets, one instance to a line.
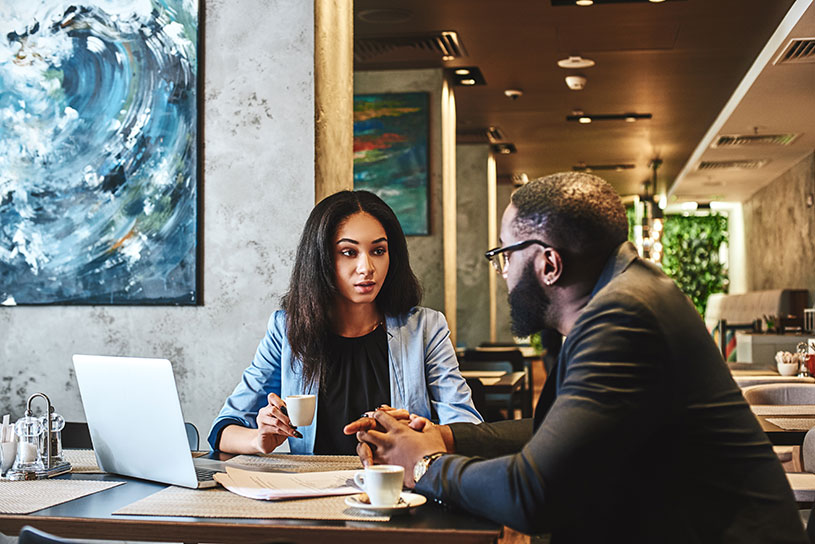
[691, 255]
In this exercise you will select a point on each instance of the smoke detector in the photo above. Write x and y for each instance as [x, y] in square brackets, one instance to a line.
[575, 62]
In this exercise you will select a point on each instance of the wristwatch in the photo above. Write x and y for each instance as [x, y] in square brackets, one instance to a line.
[423, 464]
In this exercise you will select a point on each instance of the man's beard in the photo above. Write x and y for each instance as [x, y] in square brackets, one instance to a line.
[528, 304]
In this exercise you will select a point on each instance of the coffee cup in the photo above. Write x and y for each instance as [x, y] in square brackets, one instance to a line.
[300, 409]
[382, 483]
[8, 452]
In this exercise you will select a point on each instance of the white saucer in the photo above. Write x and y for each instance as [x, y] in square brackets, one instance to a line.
[408, 500]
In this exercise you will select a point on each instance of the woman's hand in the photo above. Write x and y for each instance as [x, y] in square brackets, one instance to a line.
[273, 425]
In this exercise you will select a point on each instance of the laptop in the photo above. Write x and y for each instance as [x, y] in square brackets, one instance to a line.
[134, 417]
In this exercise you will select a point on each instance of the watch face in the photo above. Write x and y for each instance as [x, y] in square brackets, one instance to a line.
[419, 469]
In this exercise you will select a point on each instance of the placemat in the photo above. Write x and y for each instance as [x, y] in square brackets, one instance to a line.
[783, 409]
[82, 461]
[220, 503]
[793, 423]
[24, 497]
[297, 463]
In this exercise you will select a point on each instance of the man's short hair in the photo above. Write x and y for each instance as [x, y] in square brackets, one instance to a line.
[573, 211]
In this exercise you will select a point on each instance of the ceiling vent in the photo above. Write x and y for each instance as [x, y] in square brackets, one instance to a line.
[445, 44]
[746, 164]
[798, 51]
[739, 140]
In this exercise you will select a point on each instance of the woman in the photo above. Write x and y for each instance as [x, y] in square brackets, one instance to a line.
[351, 333]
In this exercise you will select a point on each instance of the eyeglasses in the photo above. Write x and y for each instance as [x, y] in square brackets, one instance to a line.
[499, 257]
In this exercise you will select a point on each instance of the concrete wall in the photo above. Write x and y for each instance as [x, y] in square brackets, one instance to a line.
[258, 188]
[426, 252]
[473, 270]
[779, 231]
[503, 331]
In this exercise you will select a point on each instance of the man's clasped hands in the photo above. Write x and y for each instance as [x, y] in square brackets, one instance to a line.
[396, 437]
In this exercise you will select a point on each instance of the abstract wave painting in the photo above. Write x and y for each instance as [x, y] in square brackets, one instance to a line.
[98, 152]
[390, 154]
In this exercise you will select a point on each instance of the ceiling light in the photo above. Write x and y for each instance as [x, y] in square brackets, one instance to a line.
[584, 2]
[494, 134]
[656, 1]
[578, 116]
[575, 62]
[448, 57]
[584, 119]
[630, 119]
[466, 75]
[504, 149]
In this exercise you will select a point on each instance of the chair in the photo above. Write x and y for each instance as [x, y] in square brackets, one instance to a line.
[780, 393]
[76, 435]
[480, 399]
[30, 535]
[192, 435]
[507, 360]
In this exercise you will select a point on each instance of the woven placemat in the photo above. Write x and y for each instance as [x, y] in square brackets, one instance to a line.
[793, 423]
[24, 497]
[219, 503]
[800, 410]
[298, 463]
[82, 461]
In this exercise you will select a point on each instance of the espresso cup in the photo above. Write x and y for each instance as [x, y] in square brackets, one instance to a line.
[301, 409]
[382, 483]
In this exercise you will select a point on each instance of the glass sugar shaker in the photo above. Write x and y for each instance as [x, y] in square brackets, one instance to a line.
[28, 430]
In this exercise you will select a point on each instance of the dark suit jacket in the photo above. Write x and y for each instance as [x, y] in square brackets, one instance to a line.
[640, 435]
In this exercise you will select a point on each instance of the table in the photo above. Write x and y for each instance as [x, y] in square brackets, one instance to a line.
[91, 517]
[778, 435]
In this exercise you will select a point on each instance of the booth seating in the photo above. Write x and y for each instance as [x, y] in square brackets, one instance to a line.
[725, 314]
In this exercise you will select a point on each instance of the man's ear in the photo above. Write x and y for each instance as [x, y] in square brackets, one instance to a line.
[548, 266]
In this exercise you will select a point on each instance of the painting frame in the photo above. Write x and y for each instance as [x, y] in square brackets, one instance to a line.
[392, 154]
[153, 255]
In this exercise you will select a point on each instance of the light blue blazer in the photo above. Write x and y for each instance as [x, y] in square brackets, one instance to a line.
[424, 376]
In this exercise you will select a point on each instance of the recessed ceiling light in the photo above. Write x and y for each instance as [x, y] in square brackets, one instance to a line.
[504, 149]
[466, 75]
[579, 116]
[584, 2]
[656, 1]
[448, 57]
[584, 120]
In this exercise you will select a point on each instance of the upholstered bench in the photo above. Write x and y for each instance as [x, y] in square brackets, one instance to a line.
[725, 314]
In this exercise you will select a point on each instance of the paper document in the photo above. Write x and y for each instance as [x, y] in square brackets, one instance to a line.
[272, 486]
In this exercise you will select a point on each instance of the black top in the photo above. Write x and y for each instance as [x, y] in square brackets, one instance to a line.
[357, 380]
[640, 434]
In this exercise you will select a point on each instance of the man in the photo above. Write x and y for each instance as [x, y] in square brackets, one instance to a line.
[640, 434]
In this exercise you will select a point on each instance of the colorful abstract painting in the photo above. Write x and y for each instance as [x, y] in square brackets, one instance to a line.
[391, 155]
[98, 152]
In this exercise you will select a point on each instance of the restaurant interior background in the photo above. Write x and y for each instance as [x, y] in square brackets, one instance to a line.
[670, 80]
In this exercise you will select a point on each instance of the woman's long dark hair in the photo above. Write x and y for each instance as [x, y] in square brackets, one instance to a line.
[313, 283]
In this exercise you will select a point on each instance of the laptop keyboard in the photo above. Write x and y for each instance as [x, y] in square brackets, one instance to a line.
[205, 474]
